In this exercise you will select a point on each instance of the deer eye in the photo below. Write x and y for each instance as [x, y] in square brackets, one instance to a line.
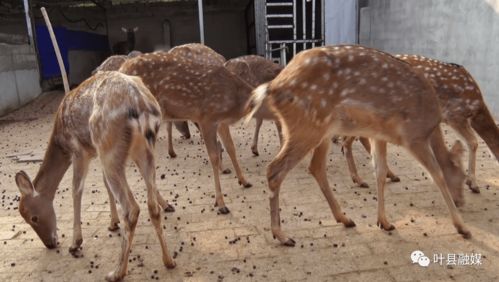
[34, 219]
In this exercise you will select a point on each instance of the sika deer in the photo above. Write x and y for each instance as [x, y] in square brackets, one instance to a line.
[356, 91]
[112, 116]
[113, 63]
[463, 108]
[256, 70]
[203, 55]
[208, 94]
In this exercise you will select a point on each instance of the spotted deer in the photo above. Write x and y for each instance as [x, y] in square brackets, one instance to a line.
[356, 91]
[204, 55]
[114, 62]
[111, 116]
[463, 108]
[204, 93]
[256, 70]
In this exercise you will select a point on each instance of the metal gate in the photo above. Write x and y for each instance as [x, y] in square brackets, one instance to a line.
[290, 26]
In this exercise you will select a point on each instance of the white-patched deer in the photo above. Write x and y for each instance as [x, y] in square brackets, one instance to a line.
[113, 63]
[202, 55]
[463, 108]
[111, 116]
[256, 70]
[356, 91]
[208, 94]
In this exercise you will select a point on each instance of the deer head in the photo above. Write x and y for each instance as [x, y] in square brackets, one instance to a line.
[37, 210]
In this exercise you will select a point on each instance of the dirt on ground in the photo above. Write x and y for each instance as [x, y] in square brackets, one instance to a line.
[239, 246]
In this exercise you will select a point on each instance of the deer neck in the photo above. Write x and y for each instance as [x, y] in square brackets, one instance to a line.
[55, 164]
[131, 41]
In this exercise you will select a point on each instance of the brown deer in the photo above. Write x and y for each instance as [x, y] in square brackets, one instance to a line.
[114, 62]
[112, 116]
[463, 108]
[125, 47]
[197, 90]
[356, 91]
[202, 54]
[256, 70]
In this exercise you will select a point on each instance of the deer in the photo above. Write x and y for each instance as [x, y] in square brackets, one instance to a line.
[463, 109]
[351, 90]
[256, 70]
[125, 47]
[114, 62]
[113, 117]
[199, 52]
[203, 92]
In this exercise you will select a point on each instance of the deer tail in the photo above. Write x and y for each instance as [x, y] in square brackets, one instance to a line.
[256, 101]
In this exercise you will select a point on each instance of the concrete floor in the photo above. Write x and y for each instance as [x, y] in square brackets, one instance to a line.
[239, 246]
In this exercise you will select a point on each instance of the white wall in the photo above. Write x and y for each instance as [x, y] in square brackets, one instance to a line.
[465, 32]
[340, 21]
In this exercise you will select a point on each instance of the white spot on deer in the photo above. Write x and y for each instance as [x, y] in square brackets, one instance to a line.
[362, 81]
[350, 58]
[385, 66]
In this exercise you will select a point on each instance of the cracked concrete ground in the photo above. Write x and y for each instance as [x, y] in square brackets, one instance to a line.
[239, 246]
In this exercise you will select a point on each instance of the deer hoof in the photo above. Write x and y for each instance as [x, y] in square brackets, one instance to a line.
[171, 265]
[363, 185]
[349, 224]
[465, 233]
[113, 227]
[223, 210]
[169, 208]
[75, 252]
[172, 155]
[246, 185]
[112, 277]
[395, 179]
[386, 227]
[255, 152]
[289, 243]
[226, 171]
[473, 187]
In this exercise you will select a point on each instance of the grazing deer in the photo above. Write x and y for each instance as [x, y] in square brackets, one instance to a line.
[256, 70]
[356, 91]
[113, 116]
[125, 47]
[191, 89]
[463, 108]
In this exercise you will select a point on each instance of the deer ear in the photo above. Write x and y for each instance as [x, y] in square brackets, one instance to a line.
[135, 29]
[24, 183]
[124, 29]
[456, 153]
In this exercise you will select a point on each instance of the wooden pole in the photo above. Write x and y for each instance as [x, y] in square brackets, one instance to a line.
[56, 49]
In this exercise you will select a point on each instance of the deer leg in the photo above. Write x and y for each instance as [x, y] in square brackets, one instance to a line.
[464, 129]
[171, 152]
[318, 169]
[221, 165]
[254, 146]
[209, 132]
[80, 170]
[347, 146]
[423, 153]
[291, 153]
[381, 168]
[279, 131]
[113, 226]
[224, 132]
[115, 176]
[145, 161]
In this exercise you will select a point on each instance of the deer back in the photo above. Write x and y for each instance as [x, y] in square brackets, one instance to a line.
[188, 89]
[355, 91]
[458, 92]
